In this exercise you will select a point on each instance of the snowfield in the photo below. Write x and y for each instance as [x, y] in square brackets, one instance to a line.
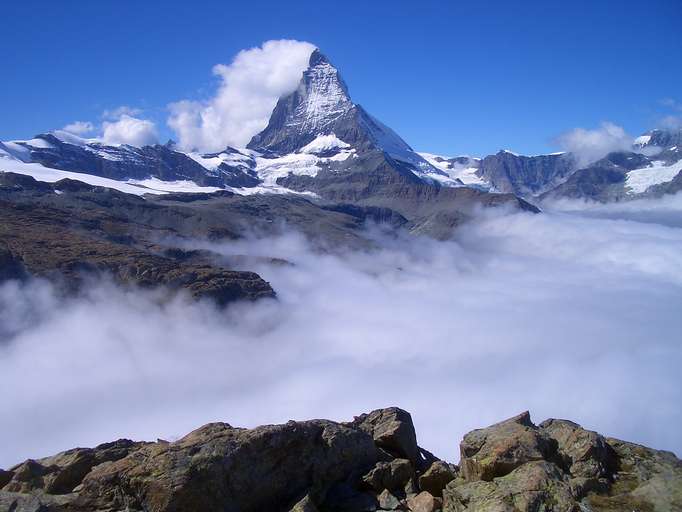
[639, 180]
[137, 187]
[466, 174]
[324, 143]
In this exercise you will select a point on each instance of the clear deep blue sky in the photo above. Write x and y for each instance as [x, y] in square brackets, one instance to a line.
[450, 77]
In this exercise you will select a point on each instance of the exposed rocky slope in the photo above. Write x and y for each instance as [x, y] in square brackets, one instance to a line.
[61, 150]
[318, 144]
[321, 105]
[651, 168]
[80, 233]
[68, 230]
[525, 176]
[371, 463]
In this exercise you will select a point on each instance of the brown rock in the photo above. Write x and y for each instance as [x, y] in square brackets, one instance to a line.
[388, 501]
[393, 475]
[424, 502]
[499, 449]
[5, 477]
[533, 486]
[42, 242]
[62, 473]
[584, 453]
[218, 467]
[436, 477]
[26, 477]
[305, 505]
[392, 430]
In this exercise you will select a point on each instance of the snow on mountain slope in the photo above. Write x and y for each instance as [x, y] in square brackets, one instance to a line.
[325, 100]
[324, 144]
[300, 164]
[642, 140]
[232, 157]
[15, 157]
[42, 173]
[321, 107]
[462, 169]
[639, 180]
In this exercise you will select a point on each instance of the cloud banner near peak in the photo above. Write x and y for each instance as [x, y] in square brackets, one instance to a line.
[249, 89]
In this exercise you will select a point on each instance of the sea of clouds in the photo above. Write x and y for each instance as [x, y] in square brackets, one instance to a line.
[574, 313]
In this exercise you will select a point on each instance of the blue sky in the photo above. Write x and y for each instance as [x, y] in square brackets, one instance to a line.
[450, 77]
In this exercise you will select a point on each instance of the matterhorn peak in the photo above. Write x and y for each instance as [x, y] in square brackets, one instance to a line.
[321, 106]
[318, 106]
[317, 57]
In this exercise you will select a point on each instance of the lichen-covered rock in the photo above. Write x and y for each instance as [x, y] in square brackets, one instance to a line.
[393, 475]
[436, 477]
[533, 486]
[647, 480]
[424, 502]
[344, 497]
[387, 501]
[499, 449]
[392, 430]
[36, 502]
[218, 467]
[586, 455]
[323, 466]
[62, 473]
[578, 470]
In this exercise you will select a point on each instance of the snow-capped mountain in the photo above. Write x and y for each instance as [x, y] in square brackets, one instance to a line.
[321, 107]
[652, 167]
[52, 156]
[319, 143]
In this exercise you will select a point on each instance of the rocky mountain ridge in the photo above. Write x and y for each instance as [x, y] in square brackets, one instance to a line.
[317, 139]
[650, 169]
[369, 464]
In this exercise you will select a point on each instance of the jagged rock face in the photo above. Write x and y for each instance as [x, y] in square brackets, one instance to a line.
[321, 105]
[392, 430]
[525, 175]
[499, 449]
[603, 180]
[652, 169]
[40, 242]
[128, 162]
[296, 466]
[323, 466]
[373, 179]
[661, 138]
[516, 466]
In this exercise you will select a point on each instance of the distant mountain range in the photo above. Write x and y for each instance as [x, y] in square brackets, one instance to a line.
[320, 144]
[323, 166]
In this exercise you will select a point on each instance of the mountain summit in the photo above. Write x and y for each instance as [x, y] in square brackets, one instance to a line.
[321, 106]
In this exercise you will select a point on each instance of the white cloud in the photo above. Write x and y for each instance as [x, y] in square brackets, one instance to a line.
[79, 127]
[672, 103]
[670, 122]
[248, 91]
[118, 112]
[129, 130]
[560, 313]
[591, 145]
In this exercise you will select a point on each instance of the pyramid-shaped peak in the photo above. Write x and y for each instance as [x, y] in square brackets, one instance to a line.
[317, 58]
[321, 107]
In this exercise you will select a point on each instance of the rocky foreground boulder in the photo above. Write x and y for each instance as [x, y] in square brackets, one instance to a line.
[369, 464]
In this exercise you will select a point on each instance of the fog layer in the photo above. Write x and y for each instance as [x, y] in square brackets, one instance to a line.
[567, 314]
